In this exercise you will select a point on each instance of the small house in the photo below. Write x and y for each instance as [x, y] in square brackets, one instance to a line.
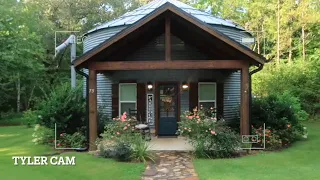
[165, 58]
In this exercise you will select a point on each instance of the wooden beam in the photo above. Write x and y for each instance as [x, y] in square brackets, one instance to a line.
[93, 123]
[181, 64]
[244, 113]
[168, 39]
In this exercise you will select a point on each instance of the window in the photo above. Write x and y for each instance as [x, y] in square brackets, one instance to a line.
[127, 97]
[207, 94]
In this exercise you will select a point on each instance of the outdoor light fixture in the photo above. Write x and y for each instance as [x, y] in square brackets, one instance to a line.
[185, 86]
[149, 86]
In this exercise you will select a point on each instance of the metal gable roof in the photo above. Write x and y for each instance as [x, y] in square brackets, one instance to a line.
[139, 13]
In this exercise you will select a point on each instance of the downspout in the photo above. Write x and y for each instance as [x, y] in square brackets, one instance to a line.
[87, 108]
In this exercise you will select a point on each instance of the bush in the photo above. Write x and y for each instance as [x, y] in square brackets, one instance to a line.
[43, 135]
[11, 119]
[122, 142]
[103, 119]
[140, 150]
[281, 114]
[210, 138]
[300, 78]
[65, 107]
[277, 110]
[123, 152]
[30, 118]
[120, 130]
[75, 140]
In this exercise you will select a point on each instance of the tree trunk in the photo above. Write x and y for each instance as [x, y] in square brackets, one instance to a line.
[290, 50]
[18, 93]
[303, 43]
[30, 98]
[278, 33]
[258, 42]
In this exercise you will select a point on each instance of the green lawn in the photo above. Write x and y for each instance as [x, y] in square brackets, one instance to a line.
[16, 140]
[302, 161]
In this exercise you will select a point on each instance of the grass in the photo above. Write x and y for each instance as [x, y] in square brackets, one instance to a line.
[301, 161]
[16, 140]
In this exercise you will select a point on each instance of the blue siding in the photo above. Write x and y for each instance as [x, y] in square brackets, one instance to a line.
[232, 85]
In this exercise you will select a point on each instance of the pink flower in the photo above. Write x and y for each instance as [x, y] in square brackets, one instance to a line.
[58, 145]
[128, 124]
[125, 128]
[190, 117]
[214, 119]
[185, 128]
[118, 133]
[123, 117]
[114, 119]
[213, 132]
[289, 125]
[211, 108]
[198, 117]
[61, 134]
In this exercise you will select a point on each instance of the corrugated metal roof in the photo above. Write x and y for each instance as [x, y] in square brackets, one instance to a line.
[139, 13]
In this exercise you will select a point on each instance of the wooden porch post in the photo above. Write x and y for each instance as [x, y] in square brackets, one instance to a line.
[167, 39]
[244, 109]
[93, 123]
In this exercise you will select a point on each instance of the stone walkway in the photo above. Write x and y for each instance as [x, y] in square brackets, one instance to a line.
[170, 166]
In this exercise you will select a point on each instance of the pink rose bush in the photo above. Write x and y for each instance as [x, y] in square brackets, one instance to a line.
[120, 129]
[209, 136]
[122, 141]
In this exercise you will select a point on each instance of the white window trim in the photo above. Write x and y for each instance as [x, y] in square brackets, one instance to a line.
[215, 101]
[126, 101]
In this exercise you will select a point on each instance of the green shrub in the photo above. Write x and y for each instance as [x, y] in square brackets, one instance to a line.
[103, 119]
[282, 115]
[301, 79]
[210, 138]
[75, 140]
[43, 135]
[30, 117]
[140, 150]
[11, 119]
[65, 107]
[277, 110]
[123, 152]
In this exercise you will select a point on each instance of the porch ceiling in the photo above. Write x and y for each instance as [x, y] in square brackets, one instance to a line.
[222, 49]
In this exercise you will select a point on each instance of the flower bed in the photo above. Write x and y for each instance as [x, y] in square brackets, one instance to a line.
[210, 137]
[123, 142]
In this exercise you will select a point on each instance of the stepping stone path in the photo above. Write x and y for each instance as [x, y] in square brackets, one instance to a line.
[170, 166]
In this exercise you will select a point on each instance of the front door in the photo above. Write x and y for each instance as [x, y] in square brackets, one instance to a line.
[168, 109]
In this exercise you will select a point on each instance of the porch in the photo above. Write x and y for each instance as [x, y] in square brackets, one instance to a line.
[170, 144]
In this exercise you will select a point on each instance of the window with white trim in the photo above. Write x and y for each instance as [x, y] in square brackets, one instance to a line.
[207, 94]
[127, 97]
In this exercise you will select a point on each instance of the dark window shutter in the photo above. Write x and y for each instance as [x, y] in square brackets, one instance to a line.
[141, 100]
[193, 95]
[115, 100]
[220, 100]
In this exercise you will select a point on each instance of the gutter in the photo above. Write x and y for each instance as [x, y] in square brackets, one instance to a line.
[87, 108]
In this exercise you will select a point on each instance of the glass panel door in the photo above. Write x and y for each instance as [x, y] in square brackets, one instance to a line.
[168, 112]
